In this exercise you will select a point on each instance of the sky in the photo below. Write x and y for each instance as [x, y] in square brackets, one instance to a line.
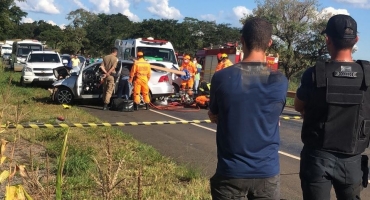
[229, 11]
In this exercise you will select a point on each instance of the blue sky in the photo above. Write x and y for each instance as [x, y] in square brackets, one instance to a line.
[229, 11]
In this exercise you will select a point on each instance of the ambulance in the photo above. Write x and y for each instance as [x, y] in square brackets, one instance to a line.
[156, 51]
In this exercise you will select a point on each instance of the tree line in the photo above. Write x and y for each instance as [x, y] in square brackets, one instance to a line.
[94, 34]
[297, 26]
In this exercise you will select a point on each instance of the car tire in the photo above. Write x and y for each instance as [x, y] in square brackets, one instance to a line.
[63, 96]
[176, 88]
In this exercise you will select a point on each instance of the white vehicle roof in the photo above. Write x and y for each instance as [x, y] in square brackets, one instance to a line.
[29, 42]
[43, 52]
[6, 45]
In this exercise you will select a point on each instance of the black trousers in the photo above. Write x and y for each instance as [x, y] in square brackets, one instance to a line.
[320, 170]
[223, 188]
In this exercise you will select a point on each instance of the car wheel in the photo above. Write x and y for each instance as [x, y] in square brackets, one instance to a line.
[63, 96]
[176, 88]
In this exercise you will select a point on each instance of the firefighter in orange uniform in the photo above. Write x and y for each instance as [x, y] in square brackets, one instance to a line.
[225, 62]
[189, 66]
[139, 76]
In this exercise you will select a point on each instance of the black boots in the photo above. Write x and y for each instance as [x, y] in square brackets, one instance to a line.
[136, 106]
[105, 107]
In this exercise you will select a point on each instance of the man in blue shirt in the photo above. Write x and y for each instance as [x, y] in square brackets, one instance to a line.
[246, 100]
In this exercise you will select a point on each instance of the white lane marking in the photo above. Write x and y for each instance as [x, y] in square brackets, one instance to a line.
[213, 130]
[289, 155]
[173, 117]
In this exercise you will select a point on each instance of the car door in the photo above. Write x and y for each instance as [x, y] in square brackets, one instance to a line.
[79, 82]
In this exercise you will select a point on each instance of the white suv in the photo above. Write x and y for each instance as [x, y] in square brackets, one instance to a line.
[38, 67]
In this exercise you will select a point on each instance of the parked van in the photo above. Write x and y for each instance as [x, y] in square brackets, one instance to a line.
[5, 49]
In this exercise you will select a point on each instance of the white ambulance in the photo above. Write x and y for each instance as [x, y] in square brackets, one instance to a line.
[156, 52]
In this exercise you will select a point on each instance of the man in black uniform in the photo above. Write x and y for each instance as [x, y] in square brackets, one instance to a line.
[334, 101]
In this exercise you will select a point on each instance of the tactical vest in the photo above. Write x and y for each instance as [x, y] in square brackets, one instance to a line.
[337, 115]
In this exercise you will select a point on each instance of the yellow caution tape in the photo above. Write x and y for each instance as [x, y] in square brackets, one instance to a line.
[93, 125]
[106, 124]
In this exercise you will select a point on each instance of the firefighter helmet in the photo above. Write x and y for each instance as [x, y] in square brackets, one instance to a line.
[224, 55]
[187, 57]
[140, 53]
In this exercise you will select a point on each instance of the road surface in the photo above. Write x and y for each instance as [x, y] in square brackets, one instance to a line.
[194, 144]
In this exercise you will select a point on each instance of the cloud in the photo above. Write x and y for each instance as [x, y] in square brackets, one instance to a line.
[162, 9]
[30, 20]
[208, 17]
[327, 12]
[356, 3]
[39, 6]
[333, 11]
[62, 26]
[241, 11]
[79, 4]
[51, 22]
[27, 20]
[114, 6]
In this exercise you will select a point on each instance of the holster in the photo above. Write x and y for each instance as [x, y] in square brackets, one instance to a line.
[365, 170]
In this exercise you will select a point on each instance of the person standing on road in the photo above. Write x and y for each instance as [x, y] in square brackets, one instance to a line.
[197, 75]
[123, 84]
[246, 100]
[334, 100]
[139, 76]
[190, 67]
[108, 67]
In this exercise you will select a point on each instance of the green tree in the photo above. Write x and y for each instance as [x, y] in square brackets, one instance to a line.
[74, 38]
[53, 37]
[10, 17]
[105, 30]
[81, 18]
[297, 26]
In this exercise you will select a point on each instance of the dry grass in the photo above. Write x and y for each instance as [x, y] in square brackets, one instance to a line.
[142, 173]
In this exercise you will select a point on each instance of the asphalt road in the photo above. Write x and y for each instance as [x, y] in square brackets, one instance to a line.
[194, 144]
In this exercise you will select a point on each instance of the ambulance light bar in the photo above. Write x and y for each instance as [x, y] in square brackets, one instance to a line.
[152, 40]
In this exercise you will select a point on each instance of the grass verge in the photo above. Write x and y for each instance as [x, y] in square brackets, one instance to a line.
[101, 163]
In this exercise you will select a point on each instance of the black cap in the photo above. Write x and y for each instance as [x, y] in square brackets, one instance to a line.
[337, 25]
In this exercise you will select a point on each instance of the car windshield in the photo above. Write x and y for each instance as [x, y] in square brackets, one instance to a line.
[8, 48]
[24, 50]
[7, 54]
[65, 57]
[44, 57]
[158, 54]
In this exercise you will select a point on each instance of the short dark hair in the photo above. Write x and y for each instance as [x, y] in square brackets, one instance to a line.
[340, 43]
[257, 33]
[113, 49]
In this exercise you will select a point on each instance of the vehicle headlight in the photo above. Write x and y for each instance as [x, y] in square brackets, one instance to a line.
[27, 69]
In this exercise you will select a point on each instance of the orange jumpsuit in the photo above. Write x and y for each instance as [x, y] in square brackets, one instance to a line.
[140, 75]
[223, 64]
[192, 70]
